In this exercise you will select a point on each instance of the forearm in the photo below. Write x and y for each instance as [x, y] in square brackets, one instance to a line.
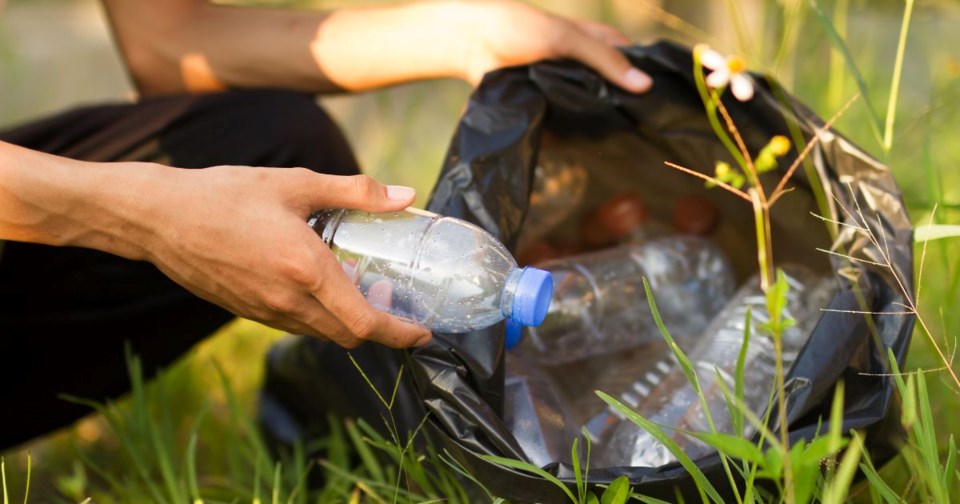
[235, 236]
[191, 45]
[57, 201]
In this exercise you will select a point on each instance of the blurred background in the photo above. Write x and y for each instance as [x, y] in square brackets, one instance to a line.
[57, 54]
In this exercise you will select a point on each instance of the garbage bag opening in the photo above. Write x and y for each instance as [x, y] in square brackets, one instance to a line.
[604, 151]
[606, 147]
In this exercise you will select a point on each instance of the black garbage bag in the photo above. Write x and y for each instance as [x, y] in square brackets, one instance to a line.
[559, 108]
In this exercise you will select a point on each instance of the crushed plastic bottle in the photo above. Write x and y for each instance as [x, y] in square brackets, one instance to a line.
[633, 393]
[442, 273]
[535, 413]
[673, 401]
[599, 304]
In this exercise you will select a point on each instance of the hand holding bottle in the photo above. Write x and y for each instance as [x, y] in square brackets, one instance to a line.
[209, 226]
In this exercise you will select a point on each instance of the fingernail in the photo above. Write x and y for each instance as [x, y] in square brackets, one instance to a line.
[400, 193]
[423, 341]
[637, 80]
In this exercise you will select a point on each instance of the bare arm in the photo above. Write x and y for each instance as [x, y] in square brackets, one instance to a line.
[235, 236]
[190, 45]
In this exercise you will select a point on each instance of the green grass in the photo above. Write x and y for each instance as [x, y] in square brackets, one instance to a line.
[152, 447]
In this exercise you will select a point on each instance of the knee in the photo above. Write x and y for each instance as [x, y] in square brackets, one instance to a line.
[285, 119]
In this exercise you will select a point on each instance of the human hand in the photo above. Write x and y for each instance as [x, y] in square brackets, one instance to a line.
[238, 237]
[507, 33]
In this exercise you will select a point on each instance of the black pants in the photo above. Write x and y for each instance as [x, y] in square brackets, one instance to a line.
[65, 313]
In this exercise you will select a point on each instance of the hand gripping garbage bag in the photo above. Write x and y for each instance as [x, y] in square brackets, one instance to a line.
[564, 110]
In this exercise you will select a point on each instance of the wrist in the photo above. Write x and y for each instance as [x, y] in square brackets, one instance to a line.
[113, 208]
[58, 201]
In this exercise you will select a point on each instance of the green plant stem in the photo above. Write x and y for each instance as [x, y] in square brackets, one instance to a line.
[897, 73]
[782, 413]
[3, 480]
[761, 222]
[26, 492]
[835, 83]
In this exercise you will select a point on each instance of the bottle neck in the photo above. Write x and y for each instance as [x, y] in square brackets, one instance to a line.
[325, 223]
[509, 293]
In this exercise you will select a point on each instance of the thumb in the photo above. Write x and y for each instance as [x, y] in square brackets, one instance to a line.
[359, 192]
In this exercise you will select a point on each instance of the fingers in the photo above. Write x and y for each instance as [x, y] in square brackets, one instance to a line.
[355, 191]
[318, 322]
[357, 319]
[590, 44]
[602, 32]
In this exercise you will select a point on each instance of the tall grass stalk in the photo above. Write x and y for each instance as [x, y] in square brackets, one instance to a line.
[835, 85]
[840, 45]
[896, 77]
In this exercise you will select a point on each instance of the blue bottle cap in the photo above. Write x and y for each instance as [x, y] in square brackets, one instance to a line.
[532, 297]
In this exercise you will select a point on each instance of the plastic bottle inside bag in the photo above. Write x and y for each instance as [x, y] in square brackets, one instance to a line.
[673, 401]
[599, 304]
[559, 185]
[630, 388]
[443, 273]
[536, 414]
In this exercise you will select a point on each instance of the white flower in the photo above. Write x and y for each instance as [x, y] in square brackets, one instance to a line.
[730, 69]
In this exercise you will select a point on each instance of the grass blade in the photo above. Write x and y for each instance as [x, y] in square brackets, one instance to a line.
[191, 458]
[837, 489]
[841, 47]
[459, 469]
[876, 481]
[528, 467]
[835, 434]
[369, 485]
[366, 455]
[897, 74]
[704, 487]
[618, 492]
[735, 414]
[948, 468]
[276, 484]
[575, 458]
[26, 492]
[685, 365]
[386, 404]
[3, 479]
[929, 232]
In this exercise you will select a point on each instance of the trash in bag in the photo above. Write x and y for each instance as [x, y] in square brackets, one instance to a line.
[560, 165]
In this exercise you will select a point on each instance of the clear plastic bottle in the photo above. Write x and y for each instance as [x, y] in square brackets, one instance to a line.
[440, 272]
[639, 387]
[536, 414]
[599, 304]
[673, 401]
[559, 185]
